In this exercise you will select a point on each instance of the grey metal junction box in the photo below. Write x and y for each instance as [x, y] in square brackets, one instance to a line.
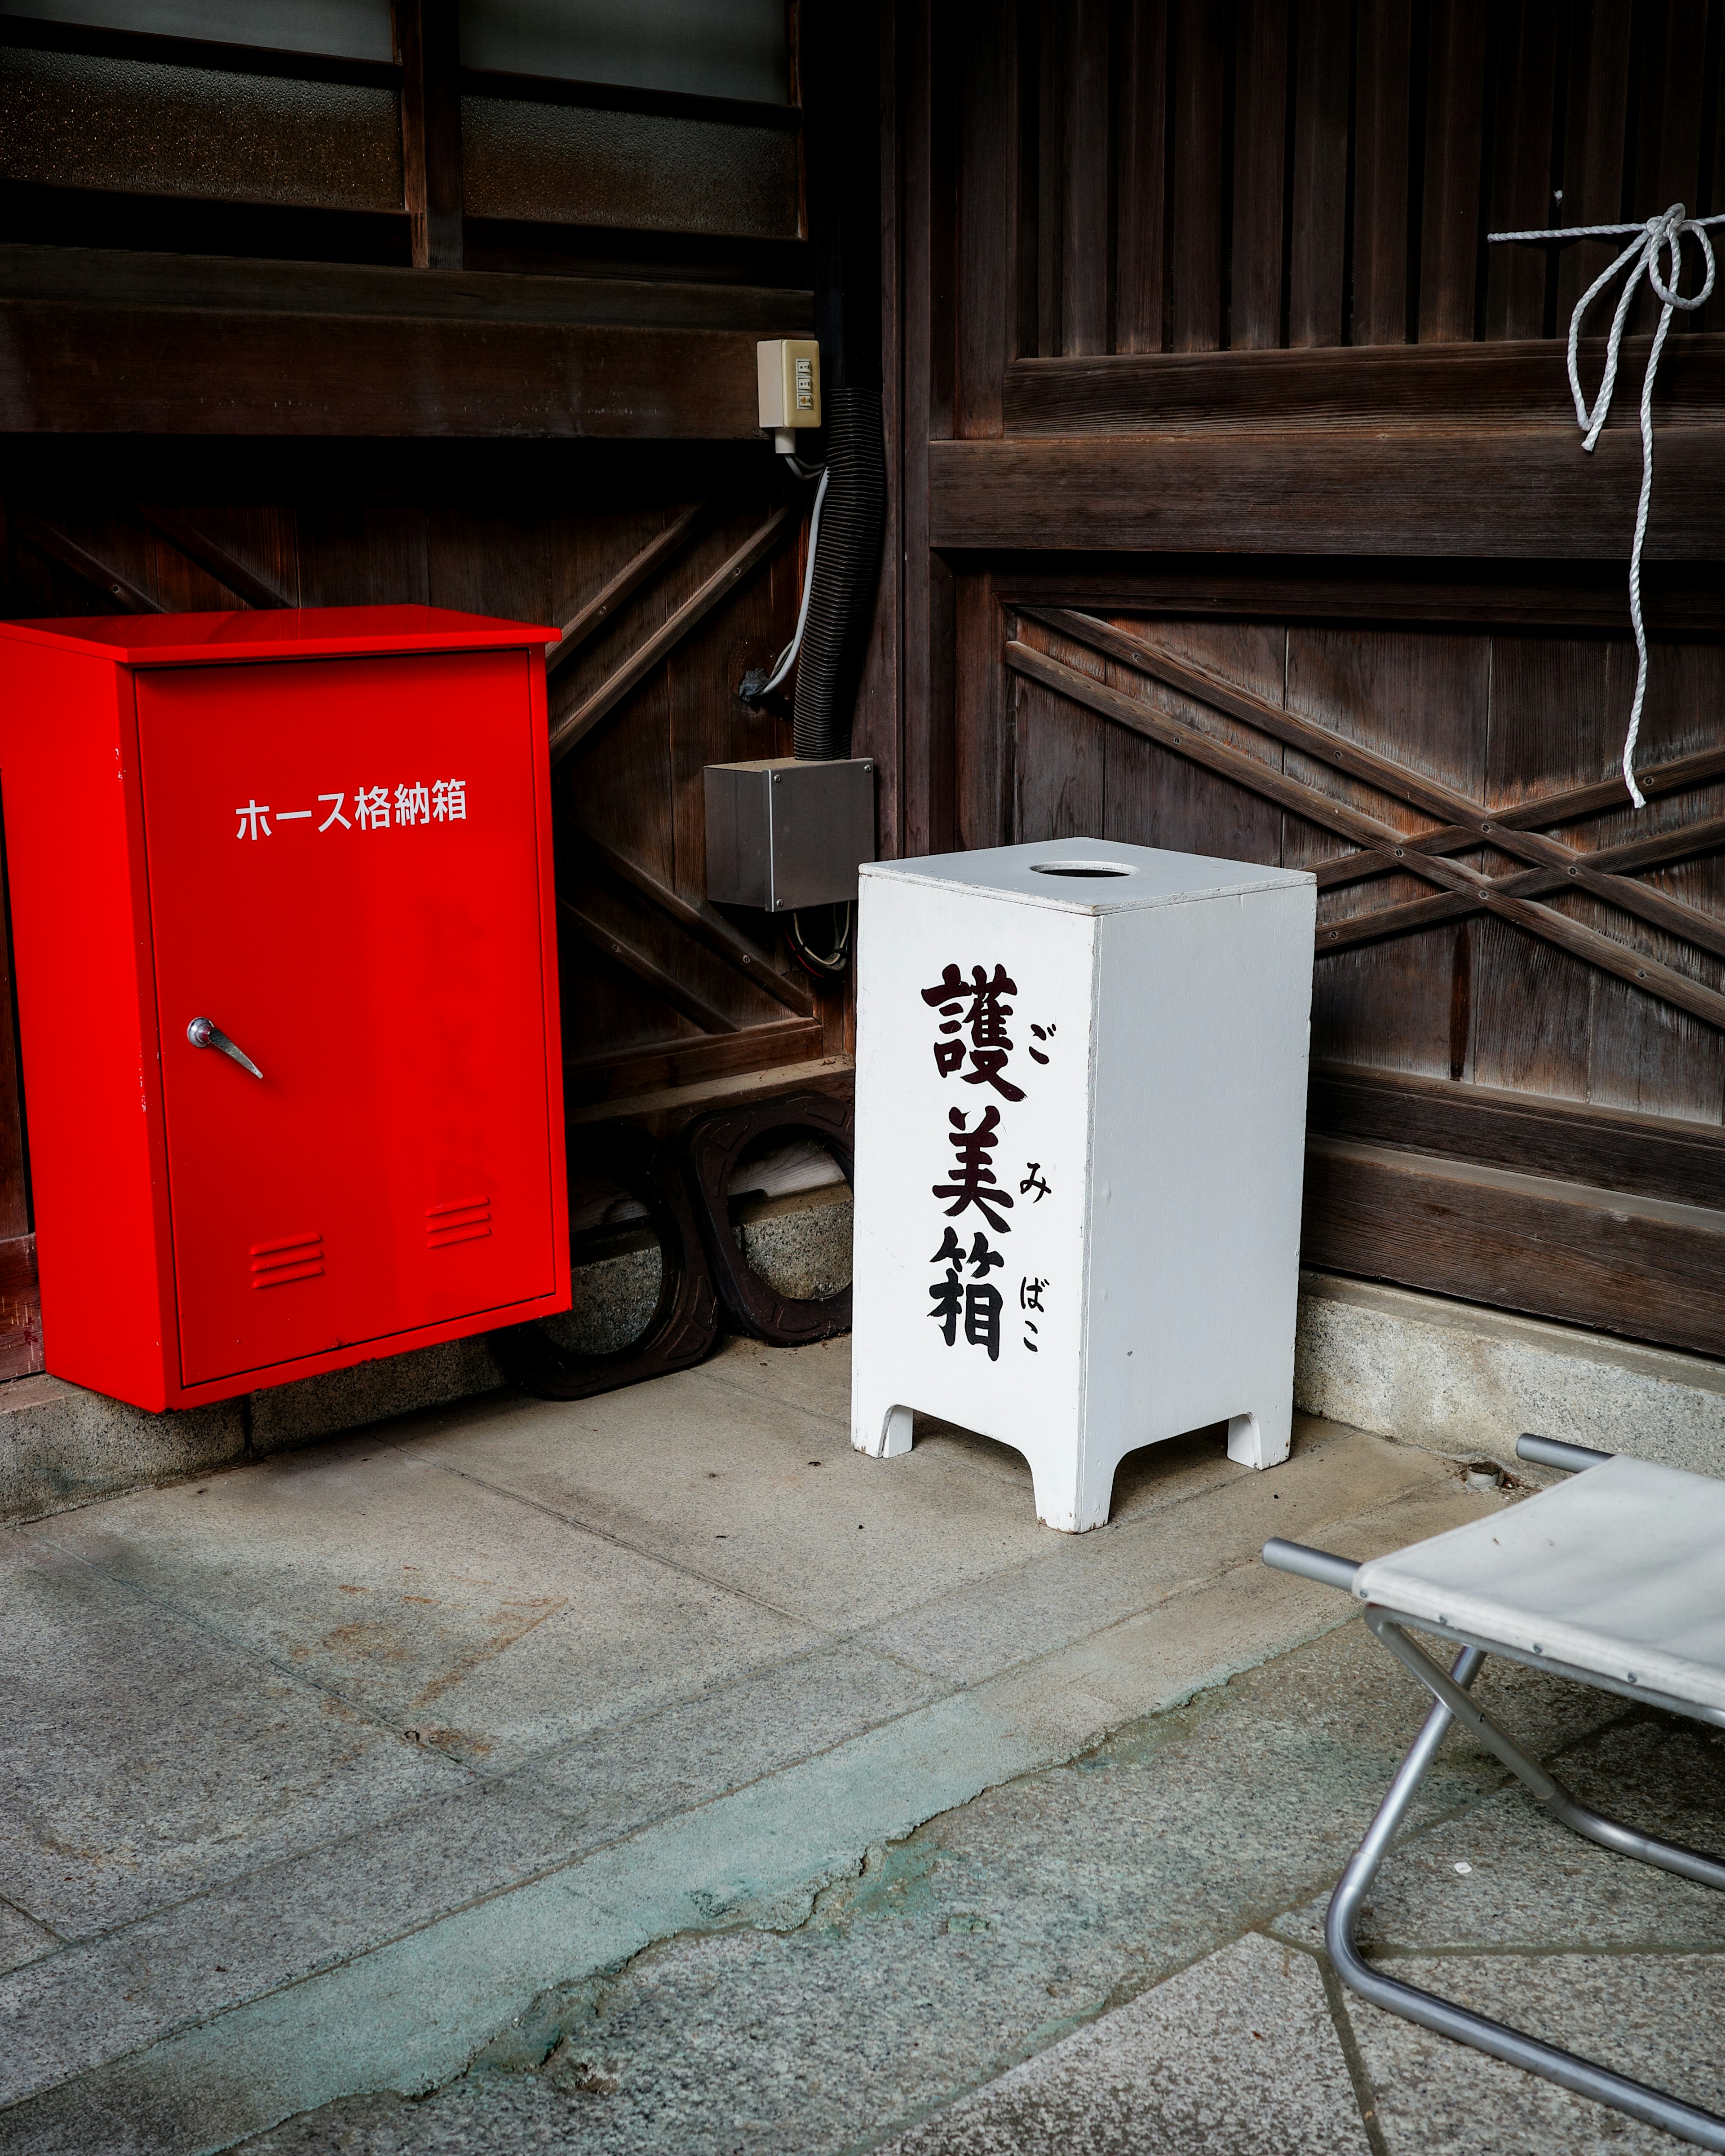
[782, 834]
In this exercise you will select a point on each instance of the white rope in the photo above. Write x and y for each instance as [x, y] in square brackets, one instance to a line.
[787, 658]
[1658, 235]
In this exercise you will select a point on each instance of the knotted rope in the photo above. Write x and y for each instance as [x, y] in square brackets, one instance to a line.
[1659, 235]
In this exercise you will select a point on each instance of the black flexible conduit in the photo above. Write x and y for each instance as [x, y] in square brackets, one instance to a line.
[847, 570]
[841, 74]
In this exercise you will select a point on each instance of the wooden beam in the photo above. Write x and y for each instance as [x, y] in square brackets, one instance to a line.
[1698, 928]
[653, 976]
[667, 1066]
[1487, 492]
[1644, 1267]
[111, 277]
[78, 369]
[1614, 1148]
[1659, 781]
[70, 555]
[1468, 385]
[664, 1112]
[1566, 867]
[427, 44]
[209, 555]
[1705, 836]
[1567, 598]
[702, 922]
[568, 731]
[628, 580]
[1642, 972]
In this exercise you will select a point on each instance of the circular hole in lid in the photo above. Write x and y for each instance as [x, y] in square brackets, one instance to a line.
[1082, 869]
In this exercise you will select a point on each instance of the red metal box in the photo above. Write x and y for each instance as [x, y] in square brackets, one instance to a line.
[327, 834]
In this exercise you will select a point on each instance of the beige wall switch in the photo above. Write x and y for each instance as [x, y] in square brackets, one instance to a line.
[788, 369]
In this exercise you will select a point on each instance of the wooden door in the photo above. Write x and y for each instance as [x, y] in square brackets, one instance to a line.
[1246, 514]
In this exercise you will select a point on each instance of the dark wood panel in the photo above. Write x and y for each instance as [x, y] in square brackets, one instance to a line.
[1139, 317]
[20, 1308]
[1455, 121]
[1468, 386]
[1195, 175]
[1596, 121]
[117, 277]
[1523, 113]
[925, 688]
[1318, 226]
[427, 44]
[1641, 1267]
[1527, 594]
[1058, 766]
[1666, 160]
[1422, 697]
[984, 773]
[1640, 1057]
[1557, 706]
[1260, 97]
[987, 254]
[1046, 27]
[1383, 36]
[1086, 167]
[80, 370]
[1154, 799]
[1657, 1156]
[1490, 492]
[879, 727]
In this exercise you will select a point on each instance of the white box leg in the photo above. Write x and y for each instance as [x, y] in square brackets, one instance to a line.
[1262, 1440]
[881, 1433]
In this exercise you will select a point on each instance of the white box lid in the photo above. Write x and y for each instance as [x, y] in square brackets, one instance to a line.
[1131, 877]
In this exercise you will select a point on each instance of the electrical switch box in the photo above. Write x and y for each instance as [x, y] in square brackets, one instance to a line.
[788, 371]
[782, 834]
[286, 979]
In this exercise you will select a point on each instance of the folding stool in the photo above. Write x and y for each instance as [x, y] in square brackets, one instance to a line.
[1616, 1580]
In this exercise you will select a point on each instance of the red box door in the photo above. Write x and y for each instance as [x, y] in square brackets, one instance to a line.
[343, 878]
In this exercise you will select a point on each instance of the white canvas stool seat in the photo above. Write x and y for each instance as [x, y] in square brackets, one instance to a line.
[1616, 1578]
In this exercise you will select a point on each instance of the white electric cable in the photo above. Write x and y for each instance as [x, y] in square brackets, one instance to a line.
[1658, 234]
[787, 657]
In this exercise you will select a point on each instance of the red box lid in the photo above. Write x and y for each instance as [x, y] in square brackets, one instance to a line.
[180, 639]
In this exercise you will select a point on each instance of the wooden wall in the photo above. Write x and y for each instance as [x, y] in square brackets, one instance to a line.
[1246, 515]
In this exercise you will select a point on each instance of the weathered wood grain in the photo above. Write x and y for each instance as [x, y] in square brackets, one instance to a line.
[569, 729]
[1522, 382]
[85, 369]
[1521, 1126]
[1086, 170]
[1260, 102]
[1383, 35]
[1485, 493]
[1196, 187]
[1455, 120]
[1142, 170]
[1645, 1268]
[628, 1074]
[1523, 113]
[1629, 963]
[1318, 226]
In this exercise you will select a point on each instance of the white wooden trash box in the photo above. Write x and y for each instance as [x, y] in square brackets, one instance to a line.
[1080, 1103]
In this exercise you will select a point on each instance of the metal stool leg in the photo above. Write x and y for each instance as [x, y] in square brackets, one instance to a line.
[1688, 2121]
